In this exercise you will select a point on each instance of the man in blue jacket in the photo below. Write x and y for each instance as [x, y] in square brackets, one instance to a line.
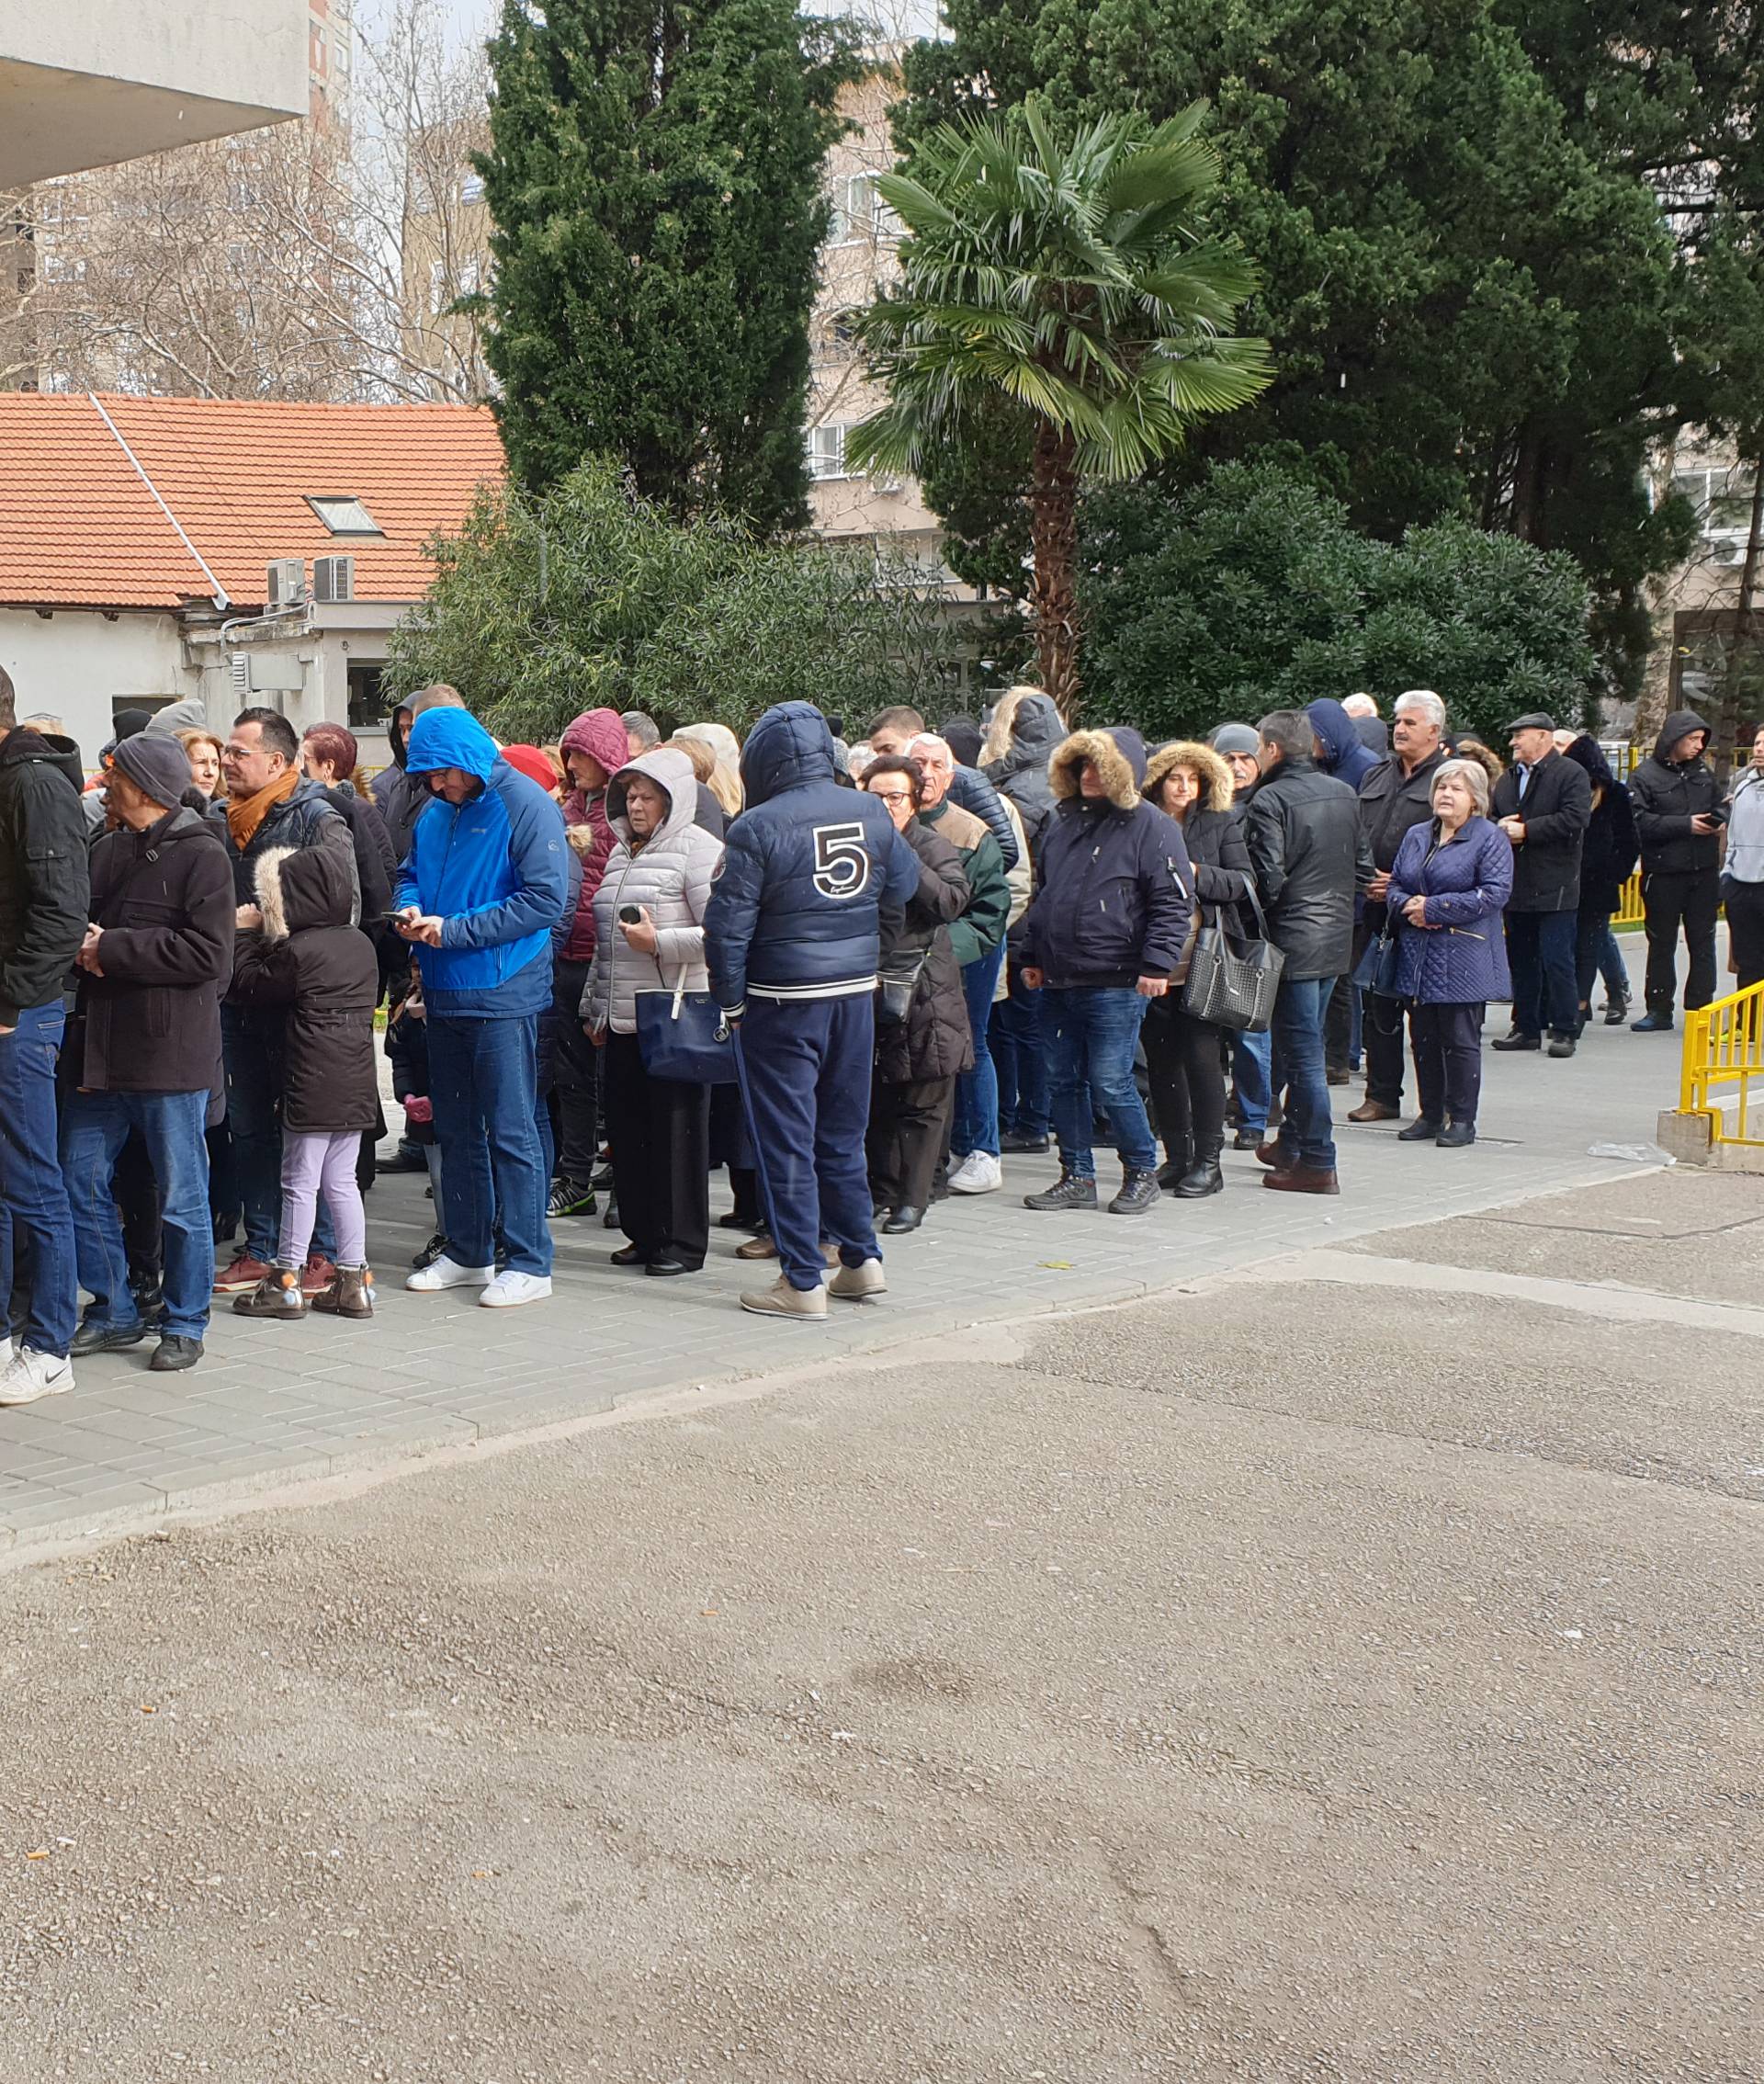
[792, 936]
[482, 887]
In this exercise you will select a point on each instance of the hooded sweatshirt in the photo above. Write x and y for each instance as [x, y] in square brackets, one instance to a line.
[492, 870]
[174, 717]
[1666, 794]
[1345, 755]
[601, 735]
[1021, 772]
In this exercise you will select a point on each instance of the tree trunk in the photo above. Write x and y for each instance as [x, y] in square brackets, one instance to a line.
[1053, 526]
[1727, 720]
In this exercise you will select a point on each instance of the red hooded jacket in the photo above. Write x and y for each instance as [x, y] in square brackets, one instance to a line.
[601, 735]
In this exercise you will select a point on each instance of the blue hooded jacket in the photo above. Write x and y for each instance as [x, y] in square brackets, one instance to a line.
[1345, 753]
[492, 868]
[795, 911]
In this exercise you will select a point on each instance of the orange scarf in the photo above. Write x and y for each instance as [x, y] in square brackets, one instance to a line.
[243, 819]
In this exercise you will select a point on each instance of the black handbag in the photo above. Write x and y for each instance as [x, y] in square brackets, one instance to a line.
[684, 1036]
[1230, 990]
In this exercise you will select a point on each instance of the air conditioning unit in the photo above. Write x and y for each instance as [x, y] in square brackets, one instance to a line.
[1726, 549]
[333, 578]
[890, 487]
[284, 583]
[266, 673]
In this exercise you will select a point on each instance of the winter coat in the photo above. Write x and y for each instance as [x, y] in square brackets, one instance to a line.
[796, 909]
[152, 1023]
[601, 735]
[1374, 733]
[44, 887]
[983, 922]
[1460, 956]
[670, 873]
[1211, 832]
[310, 961]
[492, 869]
[1345, 755]
[934, 1040]
[976, 795]
[308, 818]
[1666, 797]
[1114, 888]
[407, 1051]
[399, 795]
[1311, 861]
[1607, 853]
[1555, 813]
[1022, 771]
[1744, 862]
[1392, 803]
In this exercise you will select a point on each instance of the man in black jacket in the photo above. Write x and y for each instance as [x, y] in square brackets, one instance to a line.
[43, 900]
[145, 1047]
[1309, 855]
[1396, 794]
[1677, 801]
[1544, 804]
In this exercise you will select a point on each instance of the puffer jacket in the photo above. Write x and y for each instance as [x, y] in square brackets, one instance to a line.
[1114, 888]
[670, 874]
[44, 890]
[934, 1040]
[982, 922]
[1666, 796]
[1460, 956]
[1344, 752]
[1022, 771]
[1555, 811]
[796, 909]
[601, 735]
[309, 961]
[152, 1023]
[307, 818]
[1311, 862]
[492, 869]
[970, 788]
[1211, 832]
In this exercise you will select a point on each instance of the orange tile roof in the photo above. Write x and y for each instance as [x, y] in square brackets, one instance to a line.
[78, 526]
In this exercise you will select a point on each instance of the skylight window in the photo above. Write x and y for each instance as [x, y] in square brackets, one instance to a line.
[346, 516]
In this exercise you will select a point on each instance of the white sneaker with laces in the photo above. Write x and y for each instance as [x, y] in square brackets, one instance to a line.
[449, 1274]
[978, 1172]
[31, 1374]
[509, 1290]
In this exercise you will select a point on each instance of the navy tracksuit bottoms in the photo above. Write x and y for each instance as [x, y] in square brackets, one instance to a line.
[808, 1064]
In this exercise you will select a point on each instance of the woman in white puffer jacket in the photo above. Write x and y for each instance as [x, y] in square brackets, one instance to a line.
[660, 868]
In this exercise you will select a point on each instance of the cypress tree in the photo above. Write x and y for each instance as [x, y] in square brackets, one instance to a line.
[654, 179]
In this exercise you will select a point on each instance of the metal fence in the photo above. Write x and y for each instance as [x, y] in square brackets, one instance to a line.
[1721, 1057]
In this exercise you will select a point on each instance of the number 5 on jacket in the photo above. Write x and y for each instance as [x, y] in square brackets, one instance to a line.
[842, 861]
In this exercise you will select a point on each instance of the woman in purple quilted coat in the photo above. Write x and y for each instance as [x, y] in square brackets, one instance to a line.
[1447, 890]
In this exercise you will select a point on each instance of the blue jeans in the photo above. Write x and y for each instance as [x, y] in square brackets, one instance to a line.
[1252, 1067]
[975, 1125]
[1095, 1031]
[95, 1126]
[251, 1049]
[1306, 1127]
[1020, 1058]
[484, 1082]
[806, 1083]
[30, 1178]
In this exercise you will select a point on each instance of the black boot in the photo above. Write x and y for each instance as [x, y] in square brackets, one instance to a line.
[1139, 1193]
[1176, 1166]
[1204, 1177]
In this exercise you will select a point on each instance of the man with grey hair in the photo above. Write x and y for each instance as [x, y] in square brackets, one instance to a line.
[642, 734]
[1397, 795]
[1359, 705]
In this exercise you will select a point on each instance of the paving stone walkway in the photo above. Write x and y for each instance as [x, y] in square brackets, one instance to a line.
[273, 1402]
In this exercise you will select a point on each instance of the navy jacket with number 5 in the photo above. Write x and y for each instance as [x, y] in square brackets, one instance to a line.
[795, 909]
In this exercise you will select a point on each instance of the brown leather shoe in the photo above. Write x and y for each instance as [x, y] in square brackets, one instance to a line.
[1272, 1154]
[1302, 1179]
[1374, 1111]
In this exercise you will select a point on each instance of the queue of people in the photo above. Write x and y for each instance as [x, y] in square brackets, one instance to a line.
[854, 976]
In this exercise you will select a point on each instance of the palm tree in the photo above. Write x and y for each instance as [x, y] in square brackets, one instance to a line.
[1060, 279]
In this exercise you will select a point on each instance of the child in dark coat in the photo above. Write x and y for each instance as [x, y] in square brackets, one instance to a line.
[308, 956]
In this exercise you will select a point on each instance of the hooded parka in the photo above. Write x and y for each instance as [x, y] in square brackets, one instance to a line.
[1665, 795]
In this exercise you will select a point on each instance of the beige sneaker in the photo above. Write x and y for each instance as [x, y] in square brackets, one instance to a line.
[859, 1284]
[782, 1301]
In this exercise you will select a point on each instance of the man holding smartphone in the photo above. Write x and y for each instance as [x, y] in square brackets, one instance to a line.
[1678, 818]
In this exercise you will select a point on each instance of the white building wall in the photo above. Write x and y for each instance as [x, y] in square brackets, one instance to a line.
[75, 665]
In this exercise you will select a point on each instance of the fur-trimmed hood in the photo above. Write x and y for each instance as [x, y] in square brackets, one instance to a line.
[1105, 755]
[302, 886]
[1215, 776]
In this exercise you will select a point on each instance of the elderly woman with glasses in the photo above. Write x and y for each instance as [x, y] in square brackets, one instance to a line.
[1450, 886]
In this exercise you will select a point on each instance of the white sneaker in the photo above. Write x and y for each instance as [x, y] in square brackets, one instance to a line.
[978, 1172]
[31, 1374]
[859, 1284]
[449, 1274]
[509, 1290]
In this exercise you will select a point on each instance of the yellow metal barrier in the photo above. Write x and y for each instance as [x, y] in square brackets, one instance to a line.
[1629, 912]
[1724, 1047]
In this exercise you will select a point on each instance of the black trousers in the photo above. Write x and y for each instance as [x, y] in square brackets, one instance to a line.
[1337, 1022]
[661, 1131]
[1187, 1080]
[1746, 930]
[570, 1073]
[1448, 1061]
[1689, 898]
[1381, 1040]
[1540, 950]
[909, 1130]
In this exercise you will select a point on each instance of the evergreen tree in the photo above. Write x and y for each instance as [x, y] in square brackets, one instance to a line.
[654, 178]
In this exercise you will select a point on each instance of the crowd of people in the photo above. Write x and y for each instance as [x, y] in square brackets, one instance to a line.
[853, 974]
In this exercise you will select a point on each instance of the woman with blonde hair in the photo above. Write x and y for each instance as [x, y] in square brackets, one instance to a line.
[725, 782]
[710, 815]
[202, 750]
